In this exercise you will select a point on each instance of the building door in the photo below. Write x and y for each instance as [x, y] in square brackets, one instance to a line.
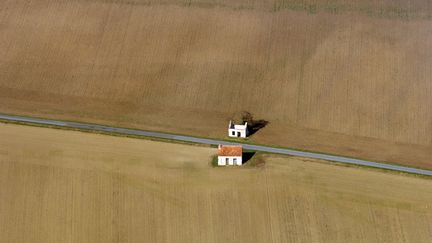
[238, 134]
[226, 161]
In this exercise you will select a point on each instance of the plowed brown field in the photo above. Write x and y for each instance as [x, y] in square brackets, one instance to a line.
[346, 78]
[64, 186]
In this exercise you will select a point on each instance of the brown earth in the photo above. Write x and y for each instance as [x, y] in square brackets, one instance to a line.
[65, 186]
[344, 78]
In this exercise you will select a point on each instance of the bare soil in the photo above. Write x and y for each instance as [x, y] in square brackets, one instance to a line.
[66, 186]
[330, 76]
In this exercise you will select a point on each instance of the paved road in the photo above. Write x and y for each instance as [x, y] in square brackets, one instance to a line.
[135, 132]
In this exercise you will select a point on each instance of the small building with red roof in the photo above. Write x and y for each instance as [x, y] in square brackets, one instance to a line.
[230, 155]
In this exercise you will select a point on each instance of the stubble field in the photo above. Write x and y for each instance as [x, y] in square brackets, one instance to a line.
[65, 186]
[330, 76]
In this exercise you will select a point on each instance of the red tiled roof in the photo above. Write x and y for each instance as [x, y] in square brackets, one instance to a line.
[225, 150]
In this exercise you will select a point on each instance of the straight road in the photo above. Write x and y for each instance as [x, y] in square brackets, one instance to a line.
[160, 135]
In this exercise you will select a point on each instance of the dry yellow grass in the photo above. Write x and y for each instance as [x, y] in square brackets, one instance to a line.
[346, 78]
[64, 186]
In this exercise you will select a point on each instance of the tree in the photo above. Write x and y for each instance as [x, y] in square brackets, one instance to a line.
[242, 117]
[253, 125]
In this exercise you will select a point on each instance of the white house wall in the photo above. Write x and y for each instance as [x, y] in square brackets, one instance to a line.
[222, 159]
[242, 132]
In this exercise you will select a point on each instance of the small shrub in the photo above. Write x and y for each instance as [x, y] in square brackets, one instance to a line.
[214, 161]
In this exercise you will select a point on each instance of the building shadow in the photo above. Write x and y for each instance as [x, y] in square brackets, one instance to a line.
[247, 156]
[256, 125]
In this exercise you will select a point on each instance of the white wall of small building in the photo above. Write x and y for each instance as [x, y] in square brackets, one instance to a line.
[242, 132]
[222, 160]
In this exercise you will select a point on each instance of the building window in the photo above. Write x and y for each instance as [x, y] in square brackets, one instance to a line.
[233, 133]
[226, 160]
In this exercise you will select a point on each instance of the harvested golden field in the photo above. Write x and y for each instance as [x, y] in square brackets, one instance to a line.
[65, 186]
[344, 78]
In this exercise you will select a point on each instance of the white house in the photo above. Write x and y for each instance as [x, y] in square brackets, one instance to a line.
[230, 155]
[237, 130]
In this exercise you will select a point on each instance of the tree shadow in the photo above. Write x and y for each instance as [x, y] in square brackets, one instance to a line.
[253, 125]
[256, 125]
[247, 156]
